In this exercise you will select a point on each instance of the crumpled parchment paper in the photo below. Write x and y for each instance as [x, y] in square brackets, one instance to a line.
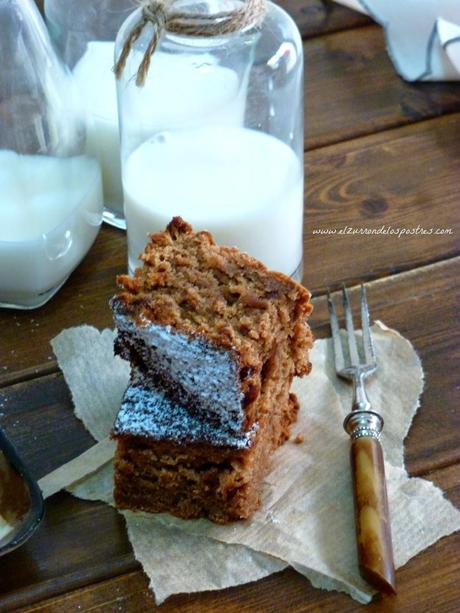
[306, 520]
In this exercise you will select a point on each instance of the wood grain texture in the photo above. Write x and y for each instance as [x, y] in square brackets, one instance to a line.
[77, 544]
[365, 183]
[288, 591]
[401, 179]
[315, 17]
[352, 89]
[39, 412]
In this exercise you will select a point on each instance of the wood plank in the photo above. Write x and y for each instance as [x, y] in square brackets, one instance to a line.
[78, 543]
[429, 582]
[352, 89]
[400, 179]
[366, 183]
[38, 416]
[316, 17]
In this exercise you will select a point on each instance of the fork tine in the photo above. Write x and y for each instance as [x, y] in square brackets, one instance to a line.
[336, 341]
[352, 346]
[368, 344]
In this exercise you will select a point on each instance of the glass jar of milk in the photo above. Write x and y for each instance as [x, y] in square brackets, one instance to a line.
[50, 191]
[84, 31]
[215, 135]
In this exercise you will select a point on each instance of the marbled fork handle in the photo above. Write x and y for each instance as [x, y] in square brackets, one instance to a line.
[373, 532]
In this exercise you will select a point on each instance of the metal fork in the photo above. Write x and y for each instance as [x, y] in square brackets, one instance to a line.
[373, 534]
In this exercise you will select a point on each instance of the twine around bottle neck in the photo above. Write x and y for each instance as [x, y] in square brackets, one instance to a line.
[163, 17]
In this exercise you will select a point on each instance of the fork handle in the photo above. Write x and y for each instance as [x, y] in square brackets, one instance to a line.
[373, 533]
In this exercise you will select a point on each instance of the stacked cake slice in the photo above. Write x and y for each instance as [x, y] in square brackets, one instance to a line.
[214, 341]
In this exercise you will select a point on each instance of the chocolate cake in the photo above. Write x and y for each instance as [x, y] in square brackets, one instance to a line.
[214, 340]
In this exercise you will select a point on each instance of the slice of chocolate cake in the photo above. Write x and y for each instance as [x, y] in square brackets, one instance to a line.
[214, 340]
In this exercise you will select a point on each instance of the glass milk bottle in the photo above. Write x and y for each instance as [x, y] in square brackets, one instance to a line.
[84, 31]
[212, 130]
[50, 192]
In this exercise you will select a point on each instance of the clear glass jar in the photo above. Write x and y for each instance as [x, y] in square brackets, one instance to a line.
[51, 192]
[84, 31]
[216, 135]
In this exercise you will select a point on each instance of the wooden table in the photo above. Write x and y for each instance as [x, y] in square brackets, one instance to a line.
[378, 152]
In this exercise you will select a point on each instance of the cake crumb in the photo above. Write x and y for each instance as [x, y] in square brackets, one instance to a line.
[299, 439]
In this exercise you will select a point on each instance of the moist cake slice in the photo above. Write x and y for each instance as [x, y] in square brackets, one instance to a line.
[214, 340]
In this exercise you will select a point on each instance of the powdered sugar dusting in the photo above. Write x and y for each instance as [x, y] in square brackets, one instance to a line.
[204, 376]
[148, 412]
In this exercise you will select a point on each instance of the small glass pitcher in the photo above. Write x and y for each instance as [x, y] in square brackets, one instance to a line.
[84, 31]
[51, 193]
[215, 135]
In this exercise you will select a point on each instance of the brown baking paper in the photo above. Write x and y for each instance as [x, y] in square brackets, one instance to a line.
[306, 519]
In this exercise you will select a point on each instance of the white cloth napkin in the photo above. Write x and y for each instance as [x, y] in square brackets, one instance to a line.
[423, 36]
